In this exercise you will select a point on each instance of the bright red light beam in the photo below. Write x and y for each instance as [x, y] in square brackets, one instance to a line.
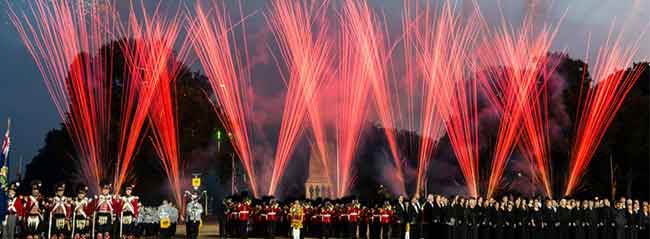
[164, 122]
[358, 43]
[56, 34]
[229, 79]
[375, 55]
[603, 100]
[535, 141]
[444, 53]
[513, 61]
[148, 57]
[307, 53]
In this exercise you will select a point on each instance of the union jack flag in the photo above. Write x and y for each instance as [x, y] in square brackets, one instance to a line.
[6, 143]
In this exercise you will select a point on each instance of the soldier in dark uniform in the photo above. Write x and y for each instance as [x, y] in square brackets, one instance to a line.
[428, 225]
[521, 219]
[580, 220]
[451, 218]
[620, 221]
[631, 229]
[498, 221]
[549, 220]
[485, 219]
[564, 217]
[415, 218]
[645, 221]
[606, 214]
[510, 223]
[460, 231]
[471, 219]
[401, 215]
[592, 221]
[535, 222]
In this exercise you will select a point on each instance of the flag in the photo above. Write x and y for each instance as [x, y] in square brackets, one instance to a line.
[6, 143]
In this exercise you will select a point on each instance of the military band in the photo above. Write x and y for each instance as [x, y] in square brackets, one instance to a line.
[438, 216]
[107, 215]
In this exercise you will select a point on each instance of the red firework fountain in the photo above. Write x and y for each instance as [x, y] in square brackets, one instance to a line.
[535, 141]
[55, 34]
[374, 55]
[513, 62]
[164, 121]
[148, 58]
[603, 100]
[228, 78]
[444, 47]
[308, 56]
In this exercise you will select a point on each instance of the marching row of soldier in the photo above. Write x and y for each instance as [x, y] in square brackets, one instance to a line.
[103, 216]
[441, 217]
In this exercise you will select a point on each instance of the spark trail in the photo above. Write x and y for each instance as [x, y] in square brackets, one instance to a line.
[513, 62]
[375, 57]
[535, 139]
[147, 58]
[308, 55]
[163, 119]
[219, 54]
[358, 53]
[445, 46]
[56, 34]
[602, 102]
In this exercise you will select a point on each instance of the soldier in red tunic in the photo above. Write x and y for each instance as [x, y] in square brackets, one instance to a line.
[365, 216]
[354, 213]
[34, 206]
[375, 222]
[386, 219]
[81, 212]
[60, 213]
[326, 214]
[259, 218]
[232, 216]
[15, 212]
[104, 212]
[273, 216]
[244, 210]
[128, 211]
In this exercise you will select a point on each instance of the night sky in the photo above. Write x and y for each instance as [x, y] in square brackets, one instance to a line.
[25, 99]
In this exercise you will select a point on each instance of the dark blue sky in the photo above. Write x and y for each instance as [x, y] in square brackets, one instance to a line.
[24, 98]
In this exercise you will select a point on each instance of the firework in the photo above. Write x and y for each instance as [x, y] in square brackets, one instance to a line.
[535, 139]
[513, 62]
[164, 121]
[147, 57]
[56, 34]
[219, 55]
[603, 100]
[308, 55]
[444, 48]
[374, 56]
